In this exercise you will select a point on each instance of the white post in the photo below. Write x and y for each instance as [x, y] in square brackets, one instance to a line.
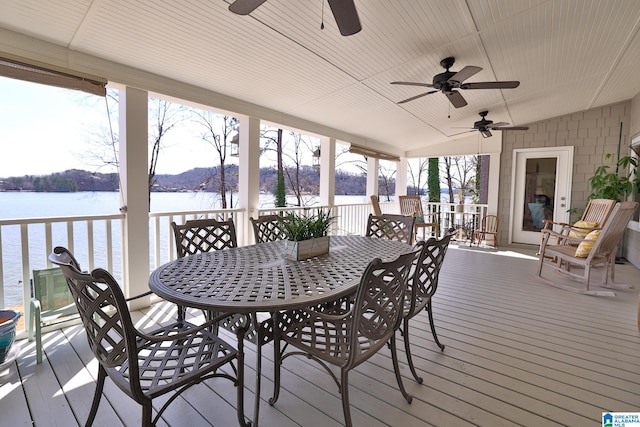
[249, 176]
[134, 187]
[327, 171]
[401, 177]
[373, 173]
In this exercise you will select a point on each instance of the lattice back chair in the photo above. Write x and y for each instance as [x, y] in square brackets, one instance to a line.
[268, 228]
[488, 227]
[412, 206]
[143, 365]
[348, 338]
[421, 286]
[204, 235]
[392, 227]
[597, 249]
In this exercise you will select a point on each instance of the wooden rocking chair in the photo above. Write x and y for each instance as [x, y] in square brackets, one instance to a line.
[596, 212]
[602, 253]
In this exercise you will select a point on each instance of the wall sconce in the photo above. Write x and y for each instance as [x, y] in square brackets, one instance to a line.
[235, 145]
[316, 158]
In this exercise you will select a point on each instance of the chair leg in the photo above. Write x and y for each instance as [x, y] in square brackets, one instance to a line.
[396, 369]
[433, 326]
[96, 396]
[344, 391]
[147, 413]
[407, 349]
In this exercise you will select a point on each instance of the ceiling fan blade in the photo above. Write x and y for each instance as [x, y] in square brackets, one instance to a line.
[486, 133]
[412, 84]
[465, 73]
[511, 128]
[417, 96]
[456, 99]
[499, 125]
[491, 85]
[245, 7]
[346, 16]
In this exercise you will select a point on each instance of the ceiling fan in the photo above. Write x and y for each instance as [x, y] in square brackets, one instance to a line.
[344, 12]
[448, 81]
[485, 126]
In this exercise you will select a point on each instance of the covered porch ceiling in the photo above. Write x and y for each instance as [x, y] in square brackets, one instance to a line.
[568, 55]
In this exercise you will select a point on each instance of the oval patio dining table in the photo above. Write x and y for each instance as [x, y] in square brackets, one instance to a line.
[258, 279]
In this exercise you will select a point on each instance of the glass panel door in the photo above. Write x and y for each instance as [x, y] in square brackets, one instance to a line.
[541, 190]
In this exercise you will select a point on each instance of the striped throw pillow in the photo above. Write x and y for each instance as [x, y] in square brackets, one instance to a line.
[581, 228]
[587, 244]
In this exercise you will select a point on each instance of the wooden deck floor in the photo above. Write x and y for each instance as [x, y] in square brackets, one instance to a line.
[518, 352]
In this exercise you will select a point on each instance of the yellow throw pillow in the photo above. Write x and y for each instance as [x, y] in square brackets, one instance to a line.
[587, 244]
[580, 229]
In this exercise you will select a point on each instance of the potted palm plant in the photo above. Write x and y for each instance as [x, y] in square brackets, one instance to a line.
[307, 236]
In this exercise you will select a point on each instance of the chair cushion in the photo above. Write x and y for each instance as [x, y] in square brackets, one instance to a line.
[587, 244]
[581, 228]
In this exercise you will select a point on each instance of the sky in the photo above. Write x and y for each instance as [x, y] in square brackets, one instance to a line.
[44, 129]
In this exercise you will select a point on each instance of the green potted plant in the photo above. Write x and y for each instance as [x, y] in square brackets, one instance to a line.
[607, 184]
[307, 236]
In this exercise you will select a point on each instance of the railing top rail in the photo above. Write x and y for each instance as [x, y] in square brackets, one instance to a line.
[40, 220]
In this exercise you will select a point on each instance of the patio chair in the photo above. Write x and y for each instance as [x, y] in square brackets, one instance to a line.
[268, 228]
[412, 206]
[597, 249]
[349, 336]
[593, 217]
[375, 205]
[52, 304]
[393, 227]
[421, 286]
[204, 235]
[143, 365]
[488, 227]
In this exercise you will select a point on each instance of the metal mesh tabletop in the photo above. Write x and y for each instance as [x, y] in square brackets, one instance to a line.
[259, 278]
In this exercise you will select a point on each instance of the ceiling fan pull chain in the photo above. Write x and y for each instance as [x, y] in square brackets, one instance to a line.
[322, 16]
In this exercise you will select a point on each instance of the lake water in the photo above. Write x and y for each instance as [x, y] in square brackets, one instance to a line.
[15, 205]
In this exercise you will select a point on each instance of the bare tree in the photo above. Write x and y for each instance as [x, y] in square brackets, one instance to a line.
[460, 175]
[217, 131]
[418, 175]
[164, 116]
[299, 144]
[386, 179]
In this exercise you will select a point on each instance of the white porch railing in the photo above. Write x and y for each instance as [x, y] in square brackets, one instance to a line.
[97, 240]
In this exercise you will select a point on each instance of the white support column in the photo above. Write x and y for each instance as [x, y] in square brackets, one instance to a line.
[327, 171]
[249, 176]
[494, 181]
[134, 185]
[401, 177]
[373, 172]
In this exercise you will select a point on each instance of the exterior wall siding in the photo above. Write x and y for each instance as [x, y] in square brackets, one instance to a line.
[593, 134]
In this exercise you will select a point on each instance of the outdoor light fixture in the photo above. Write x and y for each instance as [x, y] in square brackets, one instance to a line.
[316, 158]
[235, 145]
